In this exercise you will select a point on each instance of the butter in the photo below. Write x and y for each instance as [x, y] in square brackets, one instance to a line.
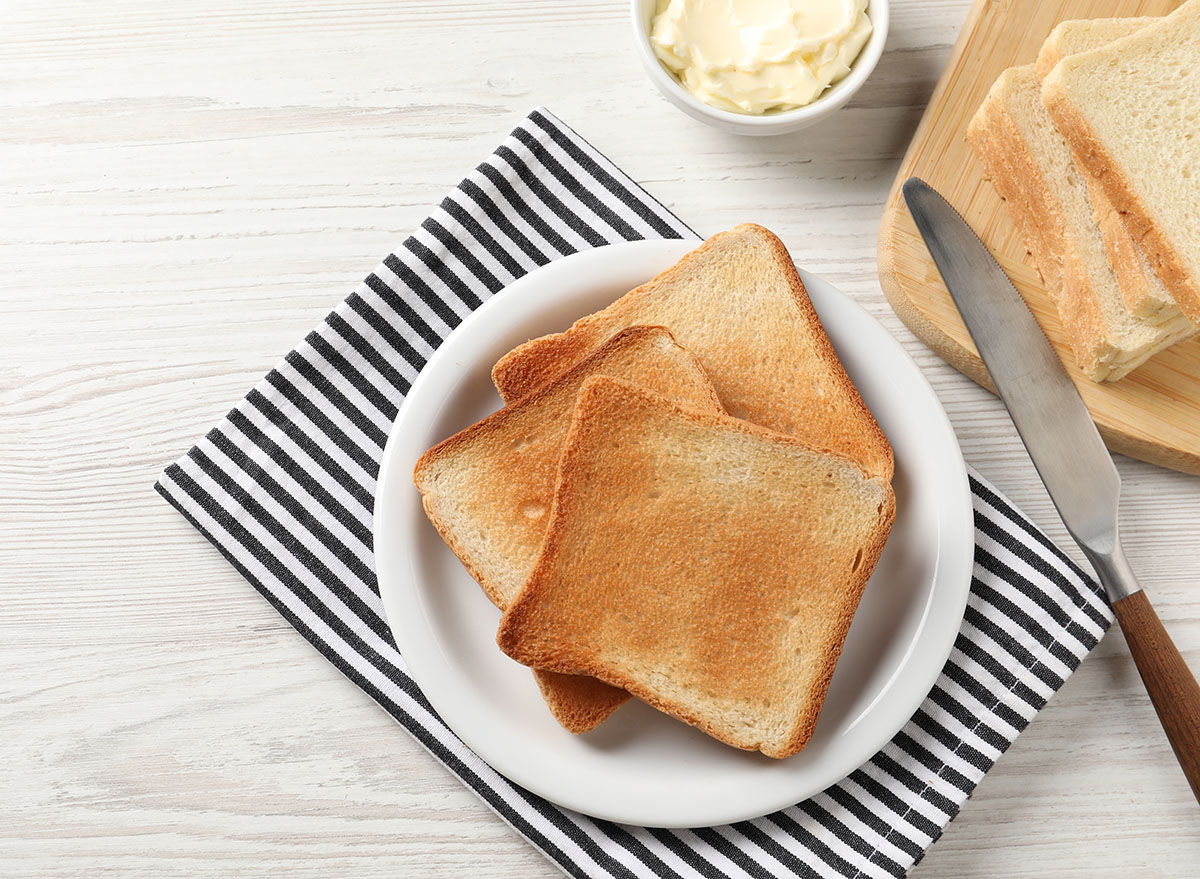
[758, 56]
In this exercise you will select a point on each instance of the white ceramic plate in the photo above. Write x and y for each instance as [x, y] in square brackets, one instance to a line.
[642, 767]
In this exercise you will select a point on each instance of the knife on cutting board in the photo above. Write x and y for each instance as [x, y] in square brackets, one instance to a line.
[1066, 449]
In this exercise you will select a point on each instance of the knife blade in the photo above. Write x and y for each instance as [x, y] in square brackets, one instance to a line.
[1065, 446]
[1045, 406]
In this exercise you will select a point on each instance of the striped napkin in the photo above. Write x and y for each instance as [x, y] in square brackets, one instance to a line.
[284, 485]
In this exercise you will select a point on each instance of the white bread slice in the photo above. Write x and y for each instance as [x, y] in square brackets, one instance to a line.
[709, 566]
[488, 489]
[1083, 35]
[1145, 295]
[739, 304]
[1031, 166]
[1131, 112]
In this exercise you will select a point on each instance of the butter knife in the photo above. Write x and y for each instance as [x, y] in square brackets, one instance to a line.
[1066, 449]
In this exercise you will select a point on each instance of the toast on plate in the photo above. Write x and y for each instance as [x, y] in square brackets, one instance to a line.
[488, 489]
[706, 565]
[738, 303]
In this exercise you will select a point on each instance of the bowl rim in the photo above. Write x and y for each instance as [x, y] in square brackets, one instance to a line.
[827, 102]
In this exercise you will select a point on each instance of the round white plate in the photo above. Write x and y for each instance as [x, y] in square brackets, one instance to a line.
[640, 766]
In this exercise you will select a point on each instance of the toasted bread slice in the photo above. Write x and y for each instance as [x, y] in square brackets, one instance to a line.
[1129, 110]
[1032, 168]
[707, 565]
[739, 304]
[488, 489]
[1145, 295]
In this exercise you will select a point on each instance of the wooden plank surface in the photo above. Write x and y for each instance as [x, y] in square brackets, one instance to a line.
[187, 190]
[1154, 413]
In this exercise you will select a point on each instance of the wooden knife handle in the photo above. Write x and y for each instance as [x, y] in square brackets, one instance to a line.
[1171, 684]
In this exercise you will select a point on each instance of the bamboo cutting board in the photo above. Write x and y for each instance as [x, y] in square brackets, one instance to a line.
[1152, 414]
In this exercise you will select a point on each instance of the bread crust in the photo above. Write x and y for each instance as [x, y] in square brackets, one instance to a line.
[851, 430]
[601, 401]
[579, 703]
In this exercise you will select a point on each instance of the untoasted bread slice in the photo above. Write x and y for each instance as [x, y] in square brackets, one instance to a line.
[739, 304]
[707, 565]
[1145, 295]
[1032, 168]
[488, 489]
[1130, 111]
[1083, 35]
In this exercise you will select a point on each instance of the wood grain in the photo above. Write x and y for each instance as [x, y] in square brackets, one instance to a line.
[1154, 413]
[1171, 684]
[187, 190]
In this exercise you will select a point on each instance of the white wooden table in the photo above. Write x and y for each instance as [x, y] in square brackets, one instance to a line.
[186, 189]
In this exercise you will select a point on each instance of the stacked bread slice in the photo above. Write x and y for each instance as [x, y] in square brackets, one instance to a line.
[683, 499]
[1110, 226]
[488, 489]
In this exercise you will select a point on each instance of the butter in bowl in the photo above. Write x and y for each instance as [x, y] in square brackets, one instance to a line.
[759, 67]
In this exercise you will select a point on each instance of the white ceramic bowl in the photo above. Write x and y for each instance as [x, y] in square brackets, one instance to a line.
[783, 122]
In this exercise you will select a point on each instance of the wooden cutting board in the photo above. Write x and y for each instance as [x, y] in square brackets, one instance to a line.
[1152, 414]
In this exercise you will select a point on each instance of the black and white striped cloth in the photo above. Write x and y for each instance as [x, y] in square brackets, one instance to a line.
[283, 487]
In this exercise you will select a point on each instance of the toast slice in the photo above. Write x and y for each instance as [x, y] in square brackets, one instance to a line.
[1032, 168]
[708, 566]
[1130, 110]
[1145, 295]
[739, 304]
[488, 489]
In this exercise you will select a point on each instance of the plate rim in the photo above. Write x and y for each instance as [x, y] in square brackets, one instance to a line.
[670, 250]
